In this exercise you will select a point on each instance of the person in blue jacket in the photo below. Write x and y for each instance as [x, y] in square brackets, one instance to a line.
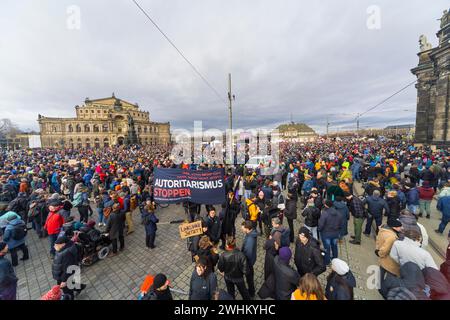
[8, 279]
[150, 220]
[443, 206]
[249, 249]
[14, 236]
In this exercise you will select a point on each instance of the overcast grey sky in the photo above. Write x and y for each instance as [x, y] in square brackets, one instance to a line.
[308, 58]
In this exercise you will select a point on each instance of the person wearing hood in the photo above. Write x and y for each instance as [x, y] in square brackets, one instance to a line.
[286, 278]
[308, 257]
[330, 223]
[340, 282]
[8, 278]
[412, 282]
[443, 206]
[394, 205]
[14, 237]
[409, 250]
[291, 213]
[375, 206]
[341, 206]
[426, 194]
[203, 283]
[249, 248]
[438, 284]
[160, 289]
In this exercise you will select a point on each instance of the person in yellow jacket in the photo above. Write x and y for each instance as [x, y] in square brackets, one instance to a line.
[253, 209]
[346, 174]
[309, 288]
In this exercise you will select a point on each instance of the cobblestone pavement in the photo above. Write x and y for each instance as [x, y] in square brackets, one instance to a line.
[119, 277]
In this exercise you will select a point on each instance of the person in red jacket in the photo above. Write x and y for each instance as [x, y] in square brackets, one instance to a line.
[54, 223]
[426, 193]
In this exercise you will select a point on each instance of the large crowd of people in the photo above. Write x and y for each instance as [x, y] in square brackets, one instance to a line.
[316, 183]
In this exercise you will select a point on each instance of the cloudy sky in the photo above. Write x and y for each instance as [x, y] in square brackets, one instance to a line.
[308, 58]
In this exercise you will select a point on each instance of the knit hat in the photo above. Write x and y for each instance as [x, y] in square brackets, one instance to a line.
[285, 254]
[91, 223]
[394, 223]
[62, 240]
[339, 266]
[159, 281]
[55, 203]
[53, 294]
[305, 231]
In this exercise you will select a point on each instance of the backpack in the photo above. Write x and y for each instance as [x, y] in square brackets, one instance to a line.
[19, 231]
[107, 212]
[245, 212]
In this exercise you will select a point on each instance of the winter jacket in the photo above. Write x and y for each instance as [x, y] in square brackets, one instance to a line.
[150, 220]
[54, 223]
[7, 274]
[214, 228]
[375, 205]
[439, 286]
[308, 258]
[410, 278]
[426, 193]
[356, 207]
[342, 208]
[68, 256]
[443, 206]
[384, 242]
[286, 279]
[408, 250]
[234, 265]
[202, 287]
[253, 209]
[8, 236]
[269, 247]
[312, 216]
[394, 207]
[330, 223]
[290, 211]
[116, 224]
[335, 290]
[412, 197]
[249, 247]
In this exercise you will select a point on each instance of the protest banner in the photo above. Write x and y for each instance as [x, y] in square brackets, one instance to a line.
[198, 186]
[190, 229]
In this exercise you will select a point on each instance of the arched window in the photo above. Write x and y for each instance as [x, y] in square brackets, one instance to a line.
[70, 128]
[79, 144]
[106, 142]
[145, 129]
[96, 128]
[87, 128]
[105, 128]
[139, 129]
[78, 128]
[54, 129]
[97, 143]
[88, 143]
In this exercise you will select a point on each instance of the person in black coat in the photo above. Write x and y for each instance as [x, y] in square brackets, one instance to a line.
[290, 213]
[233, 265]
[394, 205]
[8, 279]
[149, 221]
[231, 211]
[286, 278]
[340, 282]
[115, 228]
[249, 249]
[160, 289]
[214, 226]
[271, 252]
[312, 216]
[66, 256]
[308, 257]
[206, 250]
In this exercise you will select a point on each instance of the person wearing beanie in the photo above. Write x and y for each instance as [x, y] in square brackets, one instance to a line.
[8, 279]
[160, 289]
[330, 223]
[66, 255]
[308, 257]
[340, 282]
[286, 278]
[388, 234]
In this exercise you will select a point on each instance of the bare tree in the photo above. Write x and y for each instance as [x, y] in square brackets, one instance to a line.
[7, 127]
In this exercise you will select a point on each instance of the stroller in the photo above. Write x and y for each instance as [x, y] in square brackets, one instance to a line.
[93, 248]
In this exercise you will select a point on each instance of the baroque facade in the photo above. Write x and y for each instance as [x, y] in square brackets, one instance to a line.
[296, 132]
[103, 123]
[433, 88]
